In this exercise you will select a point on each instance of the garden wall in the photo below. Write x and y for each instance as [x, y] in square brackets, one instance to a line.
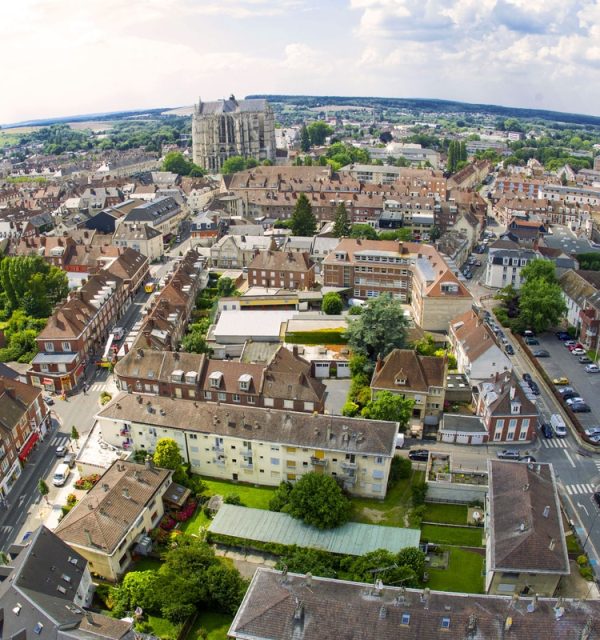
[439, 491]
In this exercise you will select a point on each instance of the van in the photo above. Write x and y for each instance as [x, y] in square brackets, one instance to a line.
[559, 426]
[60, 475]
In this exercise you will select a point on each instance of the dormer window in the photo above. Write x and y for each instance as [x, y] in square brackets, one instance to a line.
[400, 378]
[191, 377]
[515, 408]
[245, 380]
[177, 375]
[214, 379]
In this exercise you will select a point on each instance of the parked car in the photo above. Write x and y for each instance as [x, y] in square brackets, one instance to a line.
[585, 359]
[580, 407]
[563, 390]
[592, 368]
[49, 400]
[420, 455]
[527, 377]
[578, 352]
[572, 347]
[597, 498]
[569, 395]
[528, 333]
[531, 341]
[562, 335]
[528, 459]
[592, 431]
[509, 350]
[561, 380]
[541, 353]
[534, 388]
[570, 343]
[574, 400]
[477, 263]
[546, 430]
[61, 452]
[469, 275]
[70, 460]
[508, 454]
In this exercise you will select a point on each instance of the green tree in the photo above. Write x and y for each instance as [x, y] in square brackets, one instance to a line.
[195, 342]
[43, 489]
[318, 131]
[176, 163]
[167, 454]
[233, 165]
[304, 139]
[317, 499]
[389, 406]
[313, 561]
[138, 589]
[426, 345]
[332, 304]
[74, 434]
[225, 287]
[281, 496]
[379, 329]
[342, 226]
[380, 564]
[303, 219]
[226, 587]
[540, 269]
[541, 305]
[363, 232]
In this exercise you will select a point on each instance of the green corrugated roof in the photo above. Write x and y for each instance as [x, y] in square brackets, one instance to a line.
[350, 539]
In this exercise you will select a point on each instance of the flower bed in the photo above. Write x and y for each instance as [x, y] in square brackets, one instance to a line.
[186, 512]
[167, 523]
[87, 482]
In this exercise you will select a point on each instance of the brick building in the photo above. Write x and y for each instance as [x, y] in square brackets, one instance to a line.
[282, 269]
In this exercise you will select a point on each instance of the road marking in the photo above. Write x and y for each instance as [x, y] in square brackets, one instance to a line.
[570, 459]
[575, 489]
[555, 444]
[6, 530]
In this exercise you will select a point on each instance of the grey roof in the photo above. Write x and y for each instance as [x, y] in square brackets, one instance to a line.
[465, 424]
[351, 538]
[54, 358]
[232, 106]
[297, 607]
[43, 590]
[154, 210]
[376, 437]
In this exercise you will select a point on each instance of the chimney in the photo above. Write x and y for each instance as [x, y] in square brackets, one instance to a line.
[149, 463]
[147, 337]
[379, 363]
[512, 392]
[299, 614]
[546, 511]
[126, 493]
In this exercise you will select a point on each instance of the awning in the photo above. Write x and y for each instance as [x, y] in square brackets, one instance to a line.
[28, 446]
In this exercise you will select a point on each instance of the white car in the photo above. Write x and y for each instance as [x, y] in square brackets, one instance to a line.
[592, 368]
[575, 400]
[578, 352]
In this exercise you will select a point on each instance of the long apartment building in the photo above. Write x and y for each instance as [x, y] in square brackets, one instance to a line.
[260, 446]
[410, 272]
[75, 332]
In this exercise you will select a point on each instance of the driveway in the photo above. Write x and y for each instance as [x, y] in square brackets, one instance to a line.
[337, 392]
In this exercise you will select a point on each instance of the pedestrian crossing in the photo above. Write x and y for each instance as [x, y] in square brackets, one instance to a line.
[574, 489]
[555, 443]
[97, 386]
[597, 463]
[5, 531]
[60, 441]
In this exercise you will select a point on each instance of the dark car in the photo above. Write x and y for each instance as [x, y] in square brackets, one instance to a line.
[546, 430]
[562, 335]
[541, 353]
[570, 394]
[597, 497]
[49, 400]
[534, 388]
[421, 455]
[70, 460]
[580, 407]
[531, 341]
[509, 350]
[527, 377]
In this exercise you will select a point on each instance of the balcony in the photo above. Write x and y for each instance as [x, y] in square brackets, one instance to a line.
[349, 466]
[318, 462]
[246, 453]
[247, 465]
[218, 448]
[220, 462]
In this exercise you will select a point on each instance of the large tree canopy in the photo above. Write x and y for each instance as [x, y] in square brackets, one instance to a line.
[303, 219]
[379, 329]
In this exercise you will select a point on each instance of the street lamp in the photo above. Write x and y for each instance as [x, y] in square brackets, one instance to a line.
[581, 506]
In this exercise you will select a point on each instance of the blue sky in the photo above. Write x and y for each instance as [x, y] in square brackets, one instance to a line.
[66, 57]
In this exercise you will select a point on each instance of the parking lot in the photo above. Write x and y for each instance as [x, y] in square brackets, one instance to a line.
[562, 363]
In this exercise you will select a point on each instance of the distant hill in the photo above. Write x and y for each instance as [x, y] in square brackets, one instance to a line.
[107, 115]
[441, 106]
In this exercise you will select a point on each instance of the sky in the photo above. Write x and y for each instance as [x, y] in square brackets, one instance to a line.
[67, 57]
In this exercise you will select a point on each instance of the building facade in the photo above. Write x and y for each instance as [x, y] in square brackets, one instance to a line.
[505, 263]
[282, 269]
[260, 446]
[232, 127]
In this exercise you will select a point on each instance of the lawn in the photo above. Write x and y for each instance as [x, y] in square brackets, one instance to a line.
[391, 512]
[214, 624]
[445, 513]
[464, 573]
[251, 496]
[458, 536]
[197, 522]
[147, 564]
[162, 628]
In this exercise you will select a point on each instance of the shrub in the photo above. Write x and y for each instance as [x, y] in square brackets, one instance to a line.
[586, 573]
[350, 409]
[400, 469]
[355, 311]
[582, 560]
[419, 492]
[71, 499]
[232, 498]
[105, 397]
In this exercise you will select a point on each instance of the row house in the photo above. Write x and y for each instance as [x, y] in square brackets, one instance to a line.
[471, 175]
[237, 252]
[518, 184]
[163, 214]
[473, 343]
[116, 515]
[170, 310]
[505, 262]
[56, 250]
[132, 267]
[24, 419]
[571, 194]
[76, 333]
[141, 238]
[257, 445]
[505, 410]
[581, 293]
[286, 381]
[415, 377]
[282, 269]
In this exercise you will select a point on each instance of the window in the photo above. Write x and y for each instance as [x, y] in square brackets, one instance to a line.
[38, 628]
[269, 402]
[251, 400]
[207, 395]
[405, 619]
[512, 423]
[379, 460]
[48, 346]
[288, 404]
[66, 346]
[222, 396]
[274, 460]
[445, 623]
[523, 434]
[235, 397]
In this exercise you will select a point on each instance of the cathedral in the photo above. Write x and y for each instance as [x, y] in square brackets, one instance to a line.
[232, 128]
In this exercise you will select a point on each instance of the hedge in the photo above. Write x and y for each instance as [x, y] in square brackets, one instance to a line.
[326, 336]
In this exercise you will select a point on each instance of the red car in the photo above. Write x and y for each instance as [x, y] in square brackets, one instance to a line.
[578, 345]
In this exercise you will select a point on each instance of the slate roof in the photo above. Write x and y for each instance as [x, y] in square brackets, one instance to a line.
[157, 209]
[526, 529]
[474, 336]
[253, 423]
[105, 514]
[496, 394]
[294, 607]
[15, 397]
[420, 372]
[232, 105]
